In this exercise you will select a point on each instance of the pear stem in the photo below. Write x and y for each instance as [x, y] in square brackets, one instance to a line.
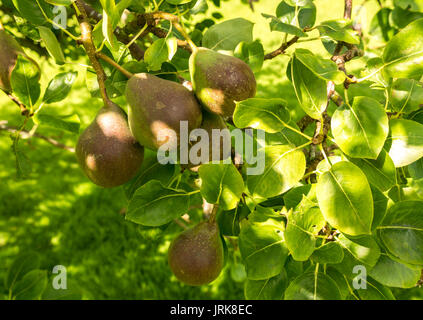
[212, 217]
[175, 21]
[117, 66]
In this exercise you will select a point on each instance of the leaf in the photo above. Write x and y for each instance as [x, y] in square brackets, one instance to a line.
[229, 220]
[406, 141]
[25, 82]
[375, 291]
[311, 286]
[251, 53]
[150, 169]
[394, 274]
[380, 26]
[67, 123]
[30, 10]
[363, 250]
[31, 286]
[380, 203]
[59, 87]
[361, 130]
[380, 172]
[269, 289]
[294, 196]
[306, 16]
[221, 184]
[330, 252]
[262, 249]
[67, 294]
[52, 45]
[345, 198]
[322, 68]
[228, 34]
[301, 231]
[402, 231]
[269, 115]
[286, 136]
[156, 54]
[154, 205]
[277, 25]
[339, 30]
[310, 90]
[406, 95]
[403, 54]
[59, 2]
[284, 166]
[20, 266]
[415, 169]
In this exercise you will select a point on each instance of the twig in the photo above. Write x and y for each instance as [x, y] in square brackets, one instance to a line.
[110, 61]
[26, 135]
[281, 49]
[24, 110]
[87, 42]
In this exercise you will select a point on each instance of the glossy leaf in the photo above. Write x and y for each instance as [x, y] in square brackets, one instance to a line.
[269, 115]
[67, 123]
[277, 25]
[305, 14]
[154, 205]
[221, 184]
[375, 291]
[59, 87]
[345, 198]
[268, 289]
[406, 95]
[52, 45]
[25, 82]
[403, 55]
[339, 30]
[283, 168]
[402, 231]
[330, 252]
[311, 286]
[361, 130]
[406, 141]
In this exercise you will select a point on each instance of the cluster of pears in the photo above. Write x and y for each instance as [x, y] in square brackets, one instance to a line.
[110, 150]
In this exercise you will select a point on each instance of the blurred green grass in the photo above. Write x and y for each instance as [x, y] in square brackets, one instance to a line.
[58, 213]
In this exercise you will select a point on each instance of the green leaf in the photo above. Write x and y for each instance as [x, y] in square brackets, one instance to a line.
[52, 45]
[363, 250]
[294, 196]
[269, 115]
[403, 55]
[67, 123]
[402, 231]
[262, 249]
[394, 274]
[25, 82]
[228, 34]
[313, 286]
[380, 203]
[375, 291]
[31, 286]
[284, 166]
[30, 10]
[413, 5]
[286, 136]
[154, 205]
[251, 53]
[360, 130]
[415, 169]
[221, 184]
[269, 289]
[330, 252]
[157, 54]
[20, 266]
[178, 2]
[380, 26]
[406, 141]
[150, 169]
[59, 87]
[322, 68]
[59, 2]
[306, 13]
[311, 91]
[301, 231]
[345, 198]
[380, 172]
[277, 25]
[339, 30]
[406, 95]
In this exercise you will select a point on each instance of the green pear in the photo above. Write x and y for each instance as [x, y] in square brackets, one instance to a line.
[157, 105]
[196, 256]
[9, 51]
[220, 80]
[107, 151]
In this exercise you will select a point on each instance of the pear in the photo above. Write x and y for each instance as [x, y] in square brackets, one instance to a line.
[156, 106]
[107, 151]
[196, 256]
[9, 51]
[211, 122]
[219, 80]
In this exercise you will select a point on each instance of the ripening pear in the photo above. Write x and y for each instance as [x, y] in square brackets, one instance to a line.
[107, 151]
[157, 107]
[219, 80]
[196, 256]
[211, 124]
[9, 51]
